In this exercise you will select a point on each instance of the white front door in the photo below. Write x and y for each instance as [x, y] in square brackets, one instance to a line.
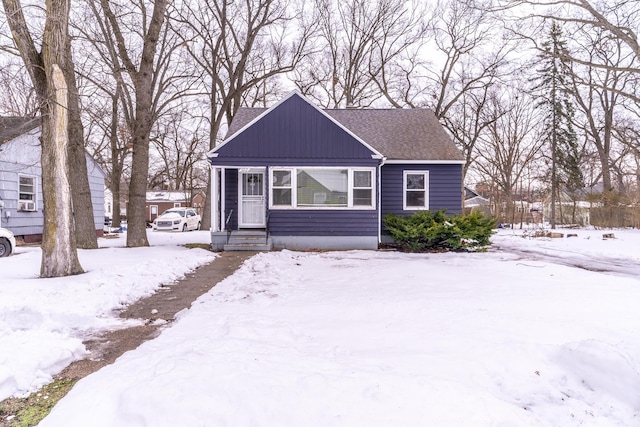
[252, 208]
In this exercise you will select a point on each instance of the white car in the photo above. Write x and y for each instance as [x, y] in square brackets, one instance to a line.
[177, 219]
[7, 242]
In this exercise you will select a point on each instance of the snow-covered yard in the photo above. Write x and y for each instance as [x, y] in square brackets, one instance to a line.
[505, 338]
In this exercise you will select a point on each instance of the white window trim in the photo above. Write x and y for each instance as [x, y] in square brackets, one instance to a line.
[426, 190]
[294, 188]
[35, 191]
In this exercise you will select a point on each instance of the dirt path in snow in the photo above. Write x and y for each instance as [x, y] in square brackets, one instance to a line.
[164, 304]
[600, 264]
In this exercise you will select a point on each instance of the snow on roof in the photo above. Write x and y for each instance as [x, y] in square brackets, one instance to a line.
[167, 196]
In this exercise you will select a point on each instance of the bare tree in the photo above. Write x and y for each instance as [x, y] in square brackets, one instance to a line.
[22, 92]
[85, 227]
[59, 253]
[18, 96]
[465, 38]
[467, 121]
[141, 68]
[620, 18]
[109, 99]
[598, 94]
[240, 47]
[465, 64]
[510, 144]
[360, 42]
[110, 140]
[178, 154]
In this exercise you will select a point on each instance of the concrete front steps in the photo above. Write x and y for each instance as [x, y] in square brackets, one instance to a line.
[248, 240]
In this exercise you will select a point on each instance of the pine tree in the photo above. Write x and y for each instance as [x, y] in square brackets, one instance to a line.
[555, 100]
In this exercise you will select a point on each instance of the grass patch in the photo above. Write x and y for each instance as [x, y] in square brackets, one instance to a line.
[206, 246]
[30, 410]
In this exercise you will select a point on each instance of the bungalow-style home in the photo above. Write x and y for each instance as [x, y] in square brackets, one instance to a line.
[21, 180]
[299, 177]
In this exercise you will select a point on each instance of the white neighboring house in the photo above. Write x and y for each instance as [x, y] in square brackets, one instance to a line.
[21, 180]
[108, 204]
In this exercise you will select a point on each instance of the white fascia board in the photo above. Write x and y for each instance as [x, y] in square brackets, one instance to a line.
[426, 162]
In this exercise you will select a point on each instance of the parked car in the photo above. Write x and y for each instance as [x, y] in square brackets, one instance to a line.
[7, 242]
[177, 219]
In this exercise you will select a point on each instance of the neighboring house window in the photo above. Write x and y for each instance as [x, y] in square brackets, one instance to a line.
[27, 193]
[322, 187]
[416, 190]
[177, 205]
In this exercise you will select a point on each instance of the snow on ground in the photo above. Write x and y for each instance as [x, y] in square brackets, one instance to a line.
[515, 336]
[363, 338]
[43, 321]
[588, 249]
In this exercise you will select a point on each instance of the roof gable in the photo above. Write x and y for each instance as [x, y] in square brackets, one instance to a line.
[398, 134]
[293, 128]
[20, 143]
[12, 127]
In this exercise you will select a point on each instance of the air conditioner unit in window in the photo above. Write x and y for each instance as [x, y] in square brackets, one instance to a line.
[27, 206]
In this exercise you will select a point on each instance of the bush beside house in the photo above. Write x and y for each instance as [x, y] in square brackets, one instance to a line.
[435, 231]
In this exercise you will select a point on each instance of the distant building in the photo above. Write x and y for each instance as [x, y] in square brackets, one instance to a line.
[159, 201]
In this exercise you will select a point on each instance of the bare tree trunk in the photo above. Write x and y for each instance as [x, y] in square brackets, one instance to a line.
[136, 217]
[143, 79]
[59, 255]
[86, 236]
[208, 200]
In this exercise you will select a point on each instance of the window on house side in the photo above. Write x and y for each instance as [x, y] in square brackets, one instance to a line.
[416, 190]
[27, 188]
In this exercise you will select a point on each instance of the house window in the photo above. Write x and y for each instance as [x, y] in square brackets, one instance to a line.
[27, 193]
[362, 188]
[281, 188]
[28, 188]
[416, 190]
[322, 187]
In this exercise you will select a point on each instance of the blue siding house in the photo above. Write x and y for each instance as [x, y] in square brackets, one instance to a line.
[21, 201]
[299, 177]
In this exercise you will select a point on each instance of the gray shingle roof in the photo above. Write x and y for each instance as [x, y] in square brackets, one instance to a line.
[399, 134]
[12, 127]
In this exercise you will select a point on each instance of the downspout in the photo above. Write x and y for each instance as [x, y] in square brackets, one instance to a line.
[382, 161]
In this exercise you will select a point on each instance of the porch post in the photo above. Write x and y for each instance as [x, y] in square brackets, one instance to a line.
[215, 221]
[223, 214]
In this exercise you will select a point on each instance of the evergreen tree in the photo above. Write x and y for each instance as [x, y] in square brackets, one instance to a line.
[555, 100]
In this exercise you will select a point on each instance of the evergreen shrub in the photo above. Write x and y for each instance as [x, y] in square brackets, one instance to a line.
[435, 231]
